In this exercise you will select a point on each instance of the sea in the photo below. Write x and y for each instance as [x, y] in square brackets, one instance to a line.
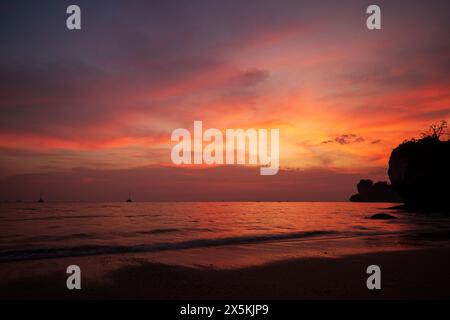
[211, 234]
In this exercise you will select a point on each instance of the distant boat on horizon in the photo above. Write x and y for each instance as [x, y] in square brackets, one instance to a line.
[129, 197]
[41, 200]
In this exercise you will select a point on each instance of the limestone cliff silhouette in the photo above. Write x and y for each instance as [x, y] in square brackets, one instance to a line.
[419, 170]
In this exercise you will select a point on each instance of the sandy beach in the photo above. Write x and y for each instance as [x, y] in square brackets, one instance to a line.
[412, 274]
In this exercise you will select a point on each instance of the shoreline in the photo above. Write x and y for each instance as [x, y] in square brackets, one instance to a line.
[409, 274]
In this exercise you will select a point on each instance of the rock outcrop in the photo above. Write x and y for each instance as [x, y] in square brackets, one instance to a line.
[380, 191]
[419, 171]
[382, 216]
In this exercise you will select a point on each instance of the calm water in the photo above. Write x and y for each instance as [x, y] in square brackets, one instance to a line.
[224, 234]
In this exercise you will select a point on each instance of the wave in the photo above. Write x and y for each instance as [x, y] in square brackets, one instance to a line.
[60, 217]
[53, 238]
[90, 250]
[170, 230]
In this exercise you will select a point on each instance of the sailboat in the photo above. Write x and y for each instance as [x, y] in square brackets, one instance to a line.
[129, 197]
[41, 200]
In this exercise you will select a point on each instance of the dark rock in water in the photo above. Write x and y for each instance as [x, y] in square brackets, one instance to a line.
[382, 216]
[380, 191]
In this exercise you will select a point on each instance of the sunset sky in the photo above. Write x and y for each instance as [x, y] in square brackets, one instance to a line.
[87, 115]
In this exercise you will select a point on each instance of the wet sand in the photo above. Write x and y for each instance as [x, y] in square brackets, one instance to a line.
[412, 274]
